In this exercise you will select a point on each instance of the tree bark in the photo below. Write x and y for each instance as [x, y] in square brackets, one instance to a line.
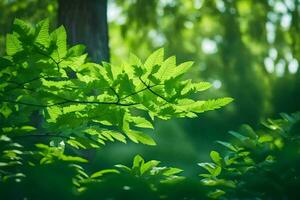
[86, 23]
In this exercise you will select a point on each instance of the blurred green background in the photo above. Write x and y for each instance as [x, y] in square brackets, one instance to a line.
[248, 50]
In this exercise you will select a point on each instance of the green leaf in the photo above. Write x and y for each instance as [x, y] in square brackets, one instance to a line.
[43, 37]
[76, 50]
[13, 45]
[3, 164]
[172, 170]
[138, 161]
[213, 104]
[103, 172]
[228, 145]
[76, 144]
[60, 38]
[27, 128]
[5, 110]
[138, 70]
[190, 87]
[146, 167]
[182, 68]
[201, 86]
[156, 58]
[238, 136]
[166, 69]
[218, 182]
[134, 60]
[5, 138]
[247, 130]
[141, 122]
[123, 167]
[216, 194]
[24, 29]
[137, 136]
[265, 138]
[212, 168]
[16, 176]
[215, 156]
[73, 159]
[114, 134]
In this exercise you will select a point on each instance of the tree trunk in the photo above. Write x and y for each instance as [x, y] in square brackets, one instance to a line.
[86, 23]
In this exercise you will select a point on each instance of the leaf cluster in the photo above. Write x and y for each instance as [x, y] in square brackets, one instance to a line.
[262, 164]
[55, 103]
[89, 103]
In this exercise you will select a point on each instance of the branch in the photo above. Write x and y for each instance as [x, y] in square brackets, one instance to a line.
[41, 135]
[99, 102]
[68, 102]
[139, 91]
[31, 80]
[153, 92]
[48, 56]
[47, 135]
[114, 91]
[21, 85]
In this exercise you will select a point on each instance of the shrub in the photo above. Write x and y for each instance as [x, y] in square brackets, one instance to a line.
[262, 164]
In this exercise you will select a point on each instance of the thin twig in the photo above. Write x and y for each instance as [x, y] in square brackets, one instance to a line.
[153, 92]
[44, 54]
[114, 91]
[21, 84]
[41, 135]
[68, 102]
[139, 91]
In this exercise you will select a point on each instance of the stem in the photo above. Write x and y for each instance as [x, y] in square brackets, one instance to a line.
[41, 135]
[153, 92]
[68, 102]
[139, 91]
[114, 91]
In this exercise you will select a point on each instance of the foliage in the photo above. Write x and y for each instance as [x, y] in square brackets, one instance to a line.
[29, 10]
[42, 77]
[252, 58]
[261, 164]
[146, 180]
[229, 45]
[55, 102]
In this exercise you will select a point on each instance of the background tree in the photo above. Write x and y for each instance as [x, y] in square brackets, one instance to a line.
[86, 23]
